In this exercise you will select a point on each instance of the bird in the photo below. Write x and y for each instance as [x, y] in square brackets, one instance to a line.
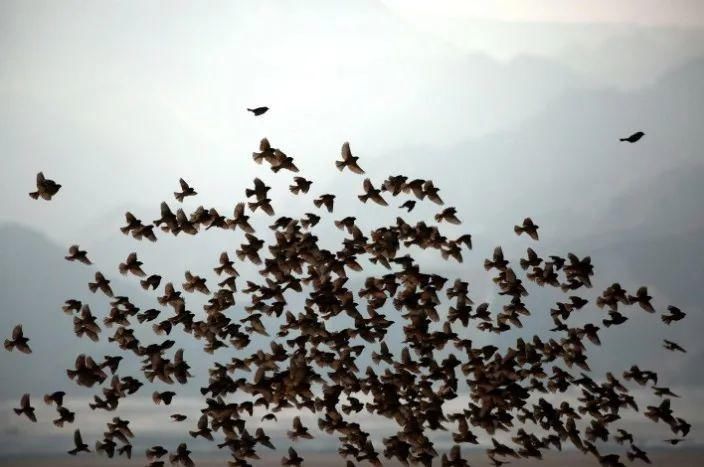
[448, 215]
[133, 265]
[326, 200]
[166, 397]
[46, 189]
[371, 193]
[675, 315]
[182, 456]
[101, 283]
[80, 445]
[299, 431]
[257, 111]
[177, 417]
[76, 254]
[18, 341]
[528, 227]
[348, 160]
[669, 345]
[300, 185]
[55, 398]
[26, 408]
[408, 205]
[634, 137]
[186, 190]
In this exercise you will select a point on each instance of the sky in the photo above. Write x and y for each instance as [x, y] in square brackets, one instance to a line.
[514, 108]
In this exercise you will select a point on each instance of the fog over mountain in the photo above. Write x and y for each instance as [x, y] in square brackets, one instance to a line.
[510, 119]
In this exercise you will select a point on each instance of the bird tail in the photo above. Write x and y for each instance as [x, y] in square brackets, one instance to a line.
[58, 422]
[249, 192]
[179, 196]
[93, 287]
[47, 399]
[524, 263]
[488, 264]
[34, 195]
[253, 206]
[9, 345]
[623, 139]
[145, 285]
[340, 165]
[18, 411]
[518, 229]
[250, 110]
[318, 203]
[125, 230]
[363, 198]
[295, 189]
[123, 268]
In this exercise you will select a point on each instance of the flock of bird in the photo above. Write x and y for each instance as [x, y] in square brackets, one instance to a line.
[309, 366]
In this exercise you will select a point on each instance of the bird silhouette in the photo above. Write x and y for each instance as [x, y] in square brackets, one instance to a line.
[257, 111]
[634, 137]
[46, 189]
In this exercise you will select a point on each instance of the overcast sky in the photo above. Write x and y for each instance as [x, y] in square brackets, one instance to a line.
[514, 108]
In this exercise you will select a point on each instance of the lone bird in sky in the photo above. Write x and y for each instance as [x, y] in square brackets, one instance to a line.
[634, 137]
[45, 188]
[257, 111]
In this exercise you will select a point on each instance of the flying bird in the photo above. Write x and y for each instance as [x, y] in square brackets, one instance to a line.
[80, 445]
[528, 227]
[76, 254]
[186, 190]
[46, 188]
[26, 408]
[18, 341]
[634, 137]
[348, 160]
[257, 111]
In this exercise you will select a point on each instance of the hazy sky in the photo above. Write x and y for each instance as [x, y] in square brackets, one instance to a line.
[514, 108]
[641, 12]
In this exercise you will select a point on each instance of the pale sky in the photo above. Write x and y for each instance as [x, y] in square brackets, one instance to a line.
[643, 12]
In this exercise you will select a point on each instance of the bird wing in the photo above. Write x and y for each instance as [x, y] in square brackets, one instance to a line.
[346, 152]
[264, 145]
[184, 185]
[24, 402]
[17, 332]
[368, 185]
[77, 438]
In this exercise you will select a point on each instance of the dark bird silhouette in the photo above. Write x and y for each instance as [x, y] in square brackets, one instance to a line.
[675, 315]
[55, 398]
[326, 200]
[528, 227]
[300, 185]
[634, 137]
[76, 254]
[408, 205]
[669, 345]
[26, 409]
[46, 188]
[348, 160]
[100, 283]
[78, 442]
[182, 456]
[18, 341]
[186, 190]
[371, 193]
[257, 111]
